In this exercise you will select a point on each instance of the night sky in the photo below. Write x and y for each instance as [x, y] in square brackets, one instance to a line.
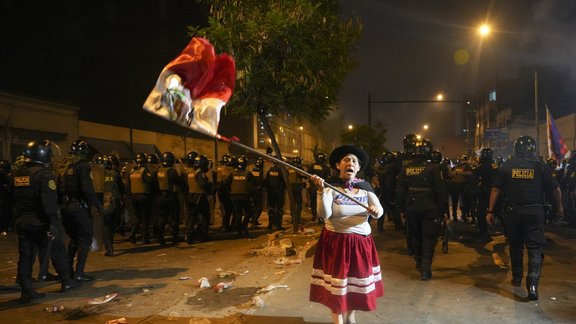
[407, 52]
[106, 55]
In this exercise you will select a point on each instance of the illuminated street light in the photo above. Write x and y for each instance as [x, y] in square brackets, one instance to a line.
[425, 127]
[439, 97]
[418, 136]
[350, 127]
[484, 30]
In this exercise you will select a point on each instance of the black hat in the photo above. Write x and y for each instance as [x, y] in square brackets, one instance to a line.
[341, 151]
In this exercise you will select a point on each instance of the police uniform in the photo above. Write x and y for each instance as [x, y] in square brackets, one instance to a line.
[197, 187]
[240, 183]
[484, 175]
[168, 205]
[77, 195]
[111, 201]
[321, 169]
[257, 192]
[36, 213]
[223, 192]
[275, 188]
[141, 197]
[421, 196]
[295, 185]
[523, 181]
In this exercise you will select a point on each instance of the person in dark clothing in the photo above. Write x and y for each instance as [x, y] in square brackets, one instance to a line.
[240, 183]
[422, 201]
[77, 196]
[275, 187]
[168, 205]
[111, 203]
[141, 185]
[484, 175]
[38, 221]
[321, 169]
[409, 145]
[523, 180]
[198, 187]
[257, 191]
[387, 171]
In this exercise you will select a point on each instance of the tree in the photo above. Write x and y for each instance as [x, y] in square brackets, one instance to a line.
[371, 139]
[291, 55]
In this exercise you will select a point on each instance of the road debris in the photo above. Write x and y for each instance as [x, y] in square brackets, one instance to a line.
[270, 288]
[102, 299]
[204, 283]
[222, 285]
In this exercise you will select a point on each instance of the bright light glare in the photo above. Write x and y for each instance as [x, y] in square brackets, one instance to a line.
[484, 30]
[350, 127]
[439, 97]
[418, 136]
[425, 127]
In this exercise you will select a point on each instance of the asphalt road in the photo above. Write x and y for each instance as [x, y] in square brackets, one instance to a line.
[471, 283]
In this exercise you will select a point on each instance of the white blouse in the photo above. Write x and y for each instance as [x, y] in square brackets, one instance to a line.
[342, 215]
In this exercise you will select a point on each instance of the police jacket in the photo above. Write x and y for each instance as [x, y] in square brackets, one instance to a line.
[524, 181]
[275, 181]
[35, 196]
[321, 170]
[485, 174]
[168, 180]
[140, 180]
[197, 181]
[76, 184]
[240, 183]
[421, 187]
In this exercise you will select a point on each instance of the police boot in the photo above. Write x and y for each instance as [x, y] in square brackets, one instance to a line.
[79, 275]
[69, 284]
[132, 237]
[426, 269]
[418, 261]
[28, 294]
[534, 269]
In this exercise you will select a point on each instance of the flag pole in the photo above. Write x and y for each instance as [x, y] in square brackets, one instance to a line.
[288, 165]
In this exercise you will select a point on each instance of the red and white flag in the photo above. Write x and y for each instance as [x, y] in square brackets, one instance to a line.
[192, 89]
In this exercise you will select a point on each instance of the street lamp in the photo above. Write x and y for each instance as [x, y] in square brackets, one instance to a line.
[439, 97]
[350, 127]
[484, 30]
[425, 127]
[301, 131]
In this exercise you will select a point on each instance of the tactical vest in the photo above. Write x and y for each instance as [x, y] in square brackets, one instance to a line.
[194, 186]
[27, 191]
[274, 177]
[69, 181]
[110, 185]
[293, 178]
[137, 184]
[240, 183]
[97, 177]
[163, 183]
[524, 183]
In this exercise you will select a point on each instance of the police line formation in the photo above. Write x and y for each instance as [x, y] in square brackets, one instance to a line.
[43, 200]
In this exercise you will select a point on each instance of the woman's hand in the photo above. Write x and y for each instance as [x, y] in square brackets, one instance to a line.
[373, 210]
[319, 182]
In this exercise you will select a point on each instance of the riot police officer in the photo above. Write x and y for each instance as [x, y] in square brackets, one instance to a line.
[240, 182]
[77, 196]
[523, 181]
[257, 190]
[141, 186]
[569, 187]
[275, 188]
[409, 146]
[295, 184]
[168, 205]
[387, 171]
[422, 201]
[484, 175]
[111, 203]
[198, 187]
[223, 171]
[37, 218]
[321, 169]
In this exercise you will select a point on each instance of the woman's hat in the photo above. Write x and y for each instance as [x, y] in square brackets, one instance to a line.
[341, 151]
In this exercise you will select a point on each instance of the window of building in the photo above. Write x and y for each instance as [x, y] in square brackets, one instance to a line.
[492, 95]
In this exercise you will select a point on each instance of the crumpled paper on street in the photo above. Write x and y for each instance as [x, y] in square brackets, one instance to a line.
[285, 261]
[270, 288]
[121, 320]
[204, 283]
[222, 285]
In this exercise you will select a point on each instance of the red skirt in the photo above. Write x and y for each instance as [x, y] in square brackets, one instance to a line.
[346, 274]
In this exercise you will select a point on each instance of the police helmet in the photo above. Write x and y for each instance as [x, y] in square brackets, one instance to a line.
[153, 158]
[446, 162]
[38, 152]
[190, 157]
[241, 162]
[114, 160]
[5, 165]
[98, 158]
[387, 158]
[232, 161]
[225, 159]
[320, 158]
[168, 159]
[409, 143]
[436, 156]
[107, 161]
[80, 147]
[423, 148]
[524, 146]
[296, 161]
[259, 162]
[141, 158]
[486, 154]
[202, 162]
